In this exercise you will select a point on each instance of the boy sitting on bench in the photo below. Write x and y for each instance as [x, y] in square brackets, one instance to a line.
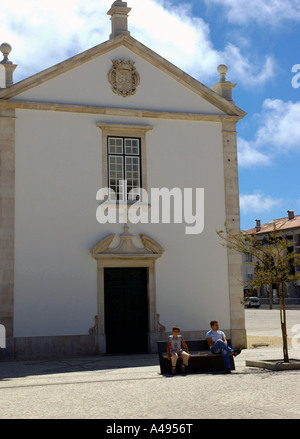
[177, 347]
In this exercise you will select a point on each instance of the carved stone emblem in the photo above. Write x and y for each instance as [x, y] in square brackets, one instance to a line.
[123, 78]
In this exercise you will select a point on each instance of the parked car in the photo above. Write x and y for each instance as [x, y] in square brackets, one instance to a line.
[252, 302]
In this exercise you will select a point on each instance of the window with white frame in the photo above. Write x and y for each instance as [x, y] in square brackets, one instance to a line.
[124, 167]
[124, 159]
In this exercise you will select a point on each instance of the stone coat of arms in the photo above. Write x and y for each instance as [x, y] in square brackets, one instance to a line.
[123, 77]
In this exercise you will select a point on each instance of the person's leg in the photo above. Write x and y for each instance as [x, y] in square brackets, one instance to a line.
[185, 359]
[221, 347]
[174, 358]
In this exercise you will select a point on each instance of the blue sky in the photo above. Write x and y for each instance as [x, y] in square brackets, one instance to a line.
[257, 39]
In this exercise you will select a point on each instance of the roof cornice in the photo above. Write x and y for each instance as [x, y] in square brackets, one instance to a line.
[113, 111]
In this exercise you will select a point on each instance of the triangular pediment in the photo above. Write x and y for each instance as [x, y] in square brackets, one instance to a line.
[139, 49]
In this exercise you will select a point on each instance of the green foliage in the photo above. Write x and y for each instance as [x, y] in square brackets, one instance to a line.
[274, 260]
[273, 256]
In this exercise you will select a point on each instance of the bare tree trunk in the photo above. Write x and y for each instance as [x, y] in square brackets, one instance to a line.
[283, 323]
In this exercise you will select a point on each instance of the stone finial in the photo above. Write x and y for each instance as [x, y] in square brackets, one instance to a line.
[5, 49]
[8, 65]
[223, 87]
[222, 70]
[119, 18]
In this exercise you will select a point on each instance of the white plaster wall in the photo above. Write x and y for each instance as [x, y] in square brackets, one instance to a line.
[192, 275]
[88, 85]
[58, 172]
[57, 157]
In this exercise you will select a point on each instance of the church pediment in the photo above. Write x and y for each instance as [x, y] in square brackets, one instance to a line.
[127, 245]
[136, 48]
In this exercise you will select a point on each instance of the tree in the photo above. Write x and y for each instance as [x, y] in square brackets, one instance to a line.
[274, 261]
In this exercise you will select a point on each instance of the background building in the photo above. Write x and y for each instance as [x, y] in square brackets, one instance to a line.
[290, 227]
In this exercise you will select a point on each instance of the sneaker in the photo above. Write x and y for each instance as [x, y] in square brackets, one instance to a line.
[183, 368]
[173, 370]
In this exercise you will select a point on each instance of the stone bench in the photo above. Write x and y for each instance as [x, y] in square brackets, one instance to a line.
[201, 360]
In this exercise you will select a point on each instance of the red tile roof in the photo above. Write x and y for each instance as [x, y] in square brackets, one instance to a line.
[281, 224]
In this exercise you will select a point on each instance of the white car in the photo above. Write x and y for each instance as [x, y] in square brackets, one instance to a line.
[252, 302]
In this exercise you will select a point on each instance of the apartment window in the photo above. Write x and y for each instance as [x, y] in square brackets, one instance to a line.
[124, 167]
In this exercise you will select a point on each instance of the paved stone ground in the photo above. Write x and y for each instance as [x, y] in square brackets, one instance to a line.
[266, 322]
[120, 387]
[263, 326]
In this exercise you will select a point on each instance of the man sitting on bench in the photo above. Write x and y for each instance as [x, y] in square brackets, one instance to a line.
[217, 342]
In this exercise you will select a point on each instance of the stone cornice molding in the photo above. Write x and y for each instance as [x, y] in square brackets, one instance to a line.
[112, 111]
[123, 127]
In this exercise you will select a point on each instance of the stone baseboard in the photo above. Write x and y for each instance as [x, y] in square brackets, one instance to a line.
[53, 346]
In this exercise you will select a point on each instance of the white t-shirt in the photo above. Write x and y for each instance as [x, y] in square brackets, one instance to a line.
[215, 335]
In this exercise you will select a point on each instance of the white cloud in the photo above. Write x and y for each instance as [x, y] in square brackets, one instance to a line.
[245, 70]
[257, 203]
[176, 35]
[280, 126]
[278, 132]
[270, 12]
[43, 33]
[249, 155]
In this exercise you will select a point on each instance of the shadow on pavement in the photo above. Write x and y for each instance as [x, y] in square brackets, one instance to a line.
[20, 369]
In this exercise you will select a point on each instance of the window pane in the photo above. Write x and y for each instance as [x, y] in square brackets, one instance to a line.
[133, 178]
[115, 175]
[115, 145]
[132, 146]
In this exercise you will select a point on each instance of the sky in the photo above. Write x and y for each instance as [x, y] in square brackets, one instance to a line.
[259, 41]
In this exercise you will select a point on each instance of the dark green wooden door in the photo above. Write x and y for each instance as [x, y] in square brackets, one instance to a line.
[126, 310]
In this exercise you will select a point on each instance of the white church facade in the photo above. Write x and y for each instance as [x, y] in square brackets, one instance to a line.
[94, 151]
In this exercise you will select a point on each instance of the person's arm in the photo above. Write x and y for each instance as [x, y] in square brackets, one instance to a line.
[169, 349]
[210, 342]
[224, 338]
[184, 345]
